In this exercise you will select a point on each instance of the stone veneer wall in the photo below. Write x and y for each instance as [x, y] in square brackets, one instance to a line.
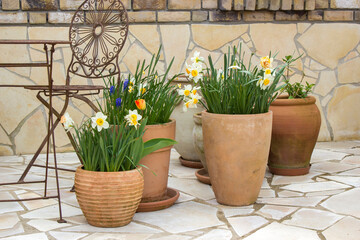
[327, 33]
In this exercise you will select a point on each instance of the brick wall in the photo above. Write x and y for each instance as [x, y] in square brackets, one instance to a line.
[160, 11]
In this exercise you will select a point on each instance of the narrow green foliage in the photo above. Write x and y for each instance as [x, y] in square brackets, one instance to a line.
[297, 89]
[236, 89]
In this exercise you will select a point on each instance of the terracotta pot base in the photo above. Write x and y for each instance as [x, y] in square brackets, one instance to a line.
[289, 171]
[169, 200]
[203, 176]
[190, 163]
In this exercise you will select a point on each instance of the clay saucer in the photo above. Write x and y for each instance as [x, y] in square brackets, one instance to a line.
[203, 176]
[190, 163]
[170, 198]
[290, 171]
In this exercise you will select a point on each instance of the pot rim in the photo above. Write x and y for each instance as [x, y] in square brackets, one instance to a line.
[172, 121]
[295, 101]
[80, 168]
[219, 115]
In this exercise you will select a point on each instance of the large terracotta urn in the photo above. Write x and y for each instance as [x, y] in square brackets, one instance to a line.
[296, 126]
[236, 150]
[109, 199]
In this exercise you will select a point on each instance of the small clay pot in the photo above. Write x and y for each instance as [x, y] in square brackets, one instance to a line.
[236, 150]
[296, 127]
[109, 199]
[157, 163]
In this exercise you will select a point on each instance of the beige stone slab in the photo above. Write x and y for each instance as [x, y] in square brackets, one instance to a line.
[283, 46]
[347, 228]
[351, 160]
[68, 236]
[8, 220]
[17, 229]
[331, 167]
[276, 212]
[220, 34]
[353, 181]
[314, 65]
[184, 198]
[245, 225]
[276, 231]
[235, 211]
[108, 236]
[315, 187]
[44, 225]
[267, 193]
[190, 216]
[37, 236]
[35, 204]
[192, 187]
[339, 145]
[325, 193]
[281, 180]
[344, 203]
[287, 193]
[136, 53]
[175, 41]
[8, 207]
[320, 155]
[305, 218]
[145, 32]
[292, 201]
[326, 83]
[51, 212]
[49, 33]
[349, 71]
[340, 38]
[179, 171]
[216, 234]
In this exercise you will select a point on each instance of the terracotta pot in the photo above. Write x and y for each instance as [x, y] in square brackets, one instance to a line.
[198, 139]
[156, 176]
[236, 151]
[185, 125]
[108, 199]
[296, 127]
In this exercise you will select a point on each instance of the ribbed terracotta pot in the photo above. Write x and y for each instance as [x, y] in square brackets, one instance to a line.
[236, 150]
[156, 176]
[296, 127]
[109, 199]
[199, 139]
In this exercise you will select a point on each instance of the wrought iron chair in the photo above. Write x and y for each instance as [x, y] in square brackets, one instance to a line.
[98, 32]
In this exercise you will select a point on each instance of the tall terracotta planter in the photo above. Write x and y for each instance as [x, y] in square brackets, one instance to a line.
[108, 199]
[236, 151]
[296, 127]
[157, 163]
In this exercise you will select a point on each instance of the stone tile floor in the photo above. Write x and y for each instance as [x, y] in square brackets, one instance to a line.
[321, 205]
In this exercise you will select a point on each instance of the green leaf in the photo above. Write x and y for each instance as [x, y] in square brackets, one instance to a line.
[156, 144]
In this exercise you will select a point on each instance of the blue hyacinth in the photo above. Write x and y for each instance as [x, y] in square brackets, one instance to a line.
[118, 102]
[126, 84]
[112, 90]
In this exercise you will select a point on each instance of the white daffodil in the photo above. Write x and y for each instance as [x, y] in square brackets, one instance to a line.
[194, 90]
[196, 58]
[192, 102]
[268, 71]
[142, 89]
[196, 73]
[133, 118]
[258, 83]
[186, 91]
[220, 75]
[99, 121]
[187, 70]
[235, 67]
[67, 121]
[132, 81]
[268, 80]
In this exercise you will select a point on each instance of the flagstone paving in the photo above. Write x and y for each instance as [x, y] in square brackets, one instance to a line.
[323, 204]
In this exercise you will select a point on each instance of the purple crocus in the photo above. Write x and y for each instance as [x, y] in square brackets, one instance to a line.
[112, 90]
[118, 102]
[126, 84]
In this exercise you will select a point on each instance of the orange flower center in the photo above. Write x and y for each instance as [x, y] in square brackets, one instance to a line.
[266, 82]
[194, 73]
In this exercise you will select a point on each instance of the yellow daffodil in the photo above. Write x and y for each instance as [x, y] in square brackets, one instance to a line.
[99, 121]
[133, 118]
[131, 89]
[235, 67]
[140, 104]
[266, 62]
[196, 58]
[194, 90]
[142, 89]
[179, 85]
[67, 121]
